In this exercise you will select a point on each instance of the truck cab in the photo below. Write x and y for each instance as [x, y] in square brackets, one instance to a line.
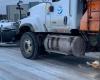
[55, 16]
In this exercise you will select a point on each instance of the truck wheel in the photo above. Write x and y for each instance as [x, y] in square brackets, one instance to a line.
[29, 45]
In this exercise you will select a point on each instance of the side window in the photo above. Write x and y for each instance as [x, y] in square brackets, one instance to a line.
[23, 15]
[55, 0]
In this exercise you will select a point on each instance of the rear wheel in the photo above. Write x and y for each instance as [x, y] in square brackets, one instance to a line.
[29, 45]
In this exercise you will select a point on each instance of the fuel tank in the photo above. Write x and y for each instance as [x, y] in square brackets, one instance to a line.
[65, 45]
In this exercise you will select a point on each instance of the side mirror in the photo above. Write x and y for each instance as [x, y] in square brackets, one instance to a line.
[51, 9]
[28, 13]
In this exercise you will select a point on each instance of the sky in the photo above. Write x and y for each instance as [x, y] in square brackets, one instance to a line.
[3, 4]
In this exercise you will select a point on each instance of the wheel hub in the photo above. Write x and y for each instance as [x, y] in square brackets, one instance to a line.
[28, 46]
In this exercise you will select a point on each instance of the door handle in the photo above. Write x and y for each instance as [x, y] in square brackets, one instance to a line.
[65, 20]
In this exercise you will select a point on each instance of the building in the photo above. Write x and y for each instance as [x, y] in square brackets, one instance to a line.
[13, 14]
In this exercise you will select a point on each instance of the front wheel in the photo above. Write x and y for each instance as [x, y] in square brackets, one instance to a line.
[29, 45]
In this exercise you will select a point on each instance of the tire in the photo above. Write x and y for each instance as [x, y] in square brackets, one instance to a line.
[29, 45]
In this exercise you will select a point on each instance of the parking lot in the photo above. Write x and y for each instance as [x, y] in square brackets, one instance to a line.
[50, 67]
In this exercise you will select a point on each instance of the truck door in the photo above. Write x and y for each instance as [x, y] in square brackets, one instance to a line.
[57, 14]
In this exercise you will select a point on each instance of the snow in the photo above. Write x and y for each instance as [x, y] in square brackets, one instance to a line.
[6, 24]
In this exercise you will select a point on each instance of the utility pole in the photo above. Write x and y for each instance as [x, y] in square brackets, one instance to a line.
[19, 8]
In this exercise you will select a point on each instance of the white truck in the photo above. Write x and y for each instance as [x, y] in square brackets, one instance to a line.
[54, 26]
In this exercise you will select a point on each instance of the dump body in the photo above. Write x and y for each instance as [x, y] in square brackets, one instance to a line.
[91, 19]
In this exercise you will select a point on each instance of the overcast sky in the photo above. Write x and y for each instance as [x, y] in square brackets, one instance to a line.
[3, 4]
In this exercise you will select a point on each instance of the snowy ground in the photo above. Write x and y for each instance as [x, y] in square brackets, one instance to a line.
[52, 67]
